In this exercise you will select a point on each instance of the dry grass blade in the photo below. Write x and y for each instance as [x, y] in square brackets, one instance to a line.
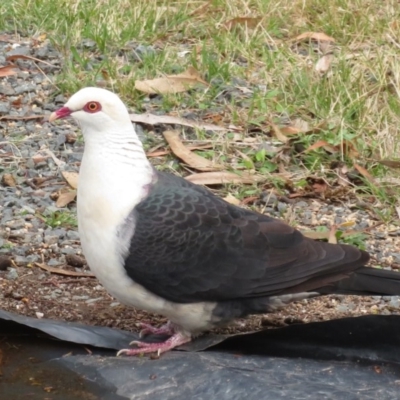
[17, 118]
[56, 160]
[65, 198]
[159, 153]
[201, 9]
[248, 22]
[61, 271]
[24, 57]
[8, 70]
[191, 159]
[71, 178]
[221, 177]
[151, 119]
[172, 83]
[332, 235]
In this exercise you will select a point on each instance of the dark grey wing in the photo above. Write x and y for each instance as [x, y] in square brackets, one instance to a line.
[190, 246]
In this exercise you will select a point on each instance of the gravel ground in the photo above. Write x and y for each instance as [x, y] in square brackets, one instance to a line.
[33, 154]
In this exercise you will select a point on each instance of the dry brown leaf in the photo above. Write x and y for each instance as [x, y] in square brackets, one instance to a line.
[37, 158]
[278, 133]
[349, 149]
[319, 36]
[172, 83]
[65, 198]
[250, 200]
[390, 163]
[248, 22]
[71, 178]
[61, 271]
[325, 145]
[290, 130]
[8, 70]
[320, 187]
[364, 173]
[8, 180]
[232, 199]
[298, 194]
[191, 159]
[151, 119]
[221, 177]
[324, 63]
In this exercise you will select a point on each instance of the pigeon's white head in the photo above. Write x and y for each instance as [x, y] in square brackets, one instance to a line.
[96, 110]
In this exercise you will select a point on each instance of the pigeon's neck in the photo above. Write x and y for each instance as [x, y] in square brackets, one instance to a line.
[114, 177]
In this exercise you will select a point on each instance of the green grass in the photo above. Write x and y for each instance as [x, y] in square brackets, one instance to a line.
[358, 97]
[64, 219]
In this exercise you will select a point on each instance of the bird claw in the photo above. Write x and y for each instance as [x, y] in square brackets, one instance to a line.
[138, 343]
[175, 340]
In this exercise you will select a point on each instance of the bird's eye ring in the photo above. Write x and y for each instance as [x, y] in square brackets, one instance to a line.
[92, 107]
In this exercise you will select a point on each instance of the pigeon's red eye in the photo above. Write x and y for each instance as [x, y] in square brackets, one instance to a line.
[92, 107]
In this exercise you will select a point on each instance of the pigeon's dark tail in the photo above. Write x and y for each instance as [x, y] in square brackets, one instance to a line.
[367, 281]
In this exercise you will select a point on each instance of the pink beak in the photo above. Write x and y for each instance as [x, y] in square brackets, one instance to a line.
[62, 112]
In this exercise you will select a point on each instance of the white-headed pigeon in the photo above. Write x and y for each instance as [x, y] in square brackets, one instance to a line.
[162, 244]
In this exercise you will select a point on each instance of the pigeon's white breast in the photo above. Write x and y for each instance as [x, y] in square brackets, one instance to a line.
[104, 203]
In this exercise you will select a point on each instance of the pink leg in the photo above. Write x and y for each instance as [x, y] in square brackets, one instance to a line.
[167, 329]
[175, 340]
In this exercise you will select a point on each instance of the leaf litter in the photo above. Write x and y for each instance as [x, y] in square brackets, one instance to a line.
[193, 160]
[172, 83]
[8, 70]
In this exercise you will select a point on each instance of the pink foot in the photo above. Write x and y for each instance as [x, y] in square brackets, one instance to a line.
[166, 329]
[175, 340]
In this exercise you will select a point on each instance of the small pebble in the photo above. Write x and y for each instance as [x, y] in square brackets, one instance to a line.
[12, 274]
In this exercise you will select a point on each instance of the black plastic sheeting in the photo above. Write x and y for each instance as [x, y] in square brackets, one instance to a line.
[351, 358]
